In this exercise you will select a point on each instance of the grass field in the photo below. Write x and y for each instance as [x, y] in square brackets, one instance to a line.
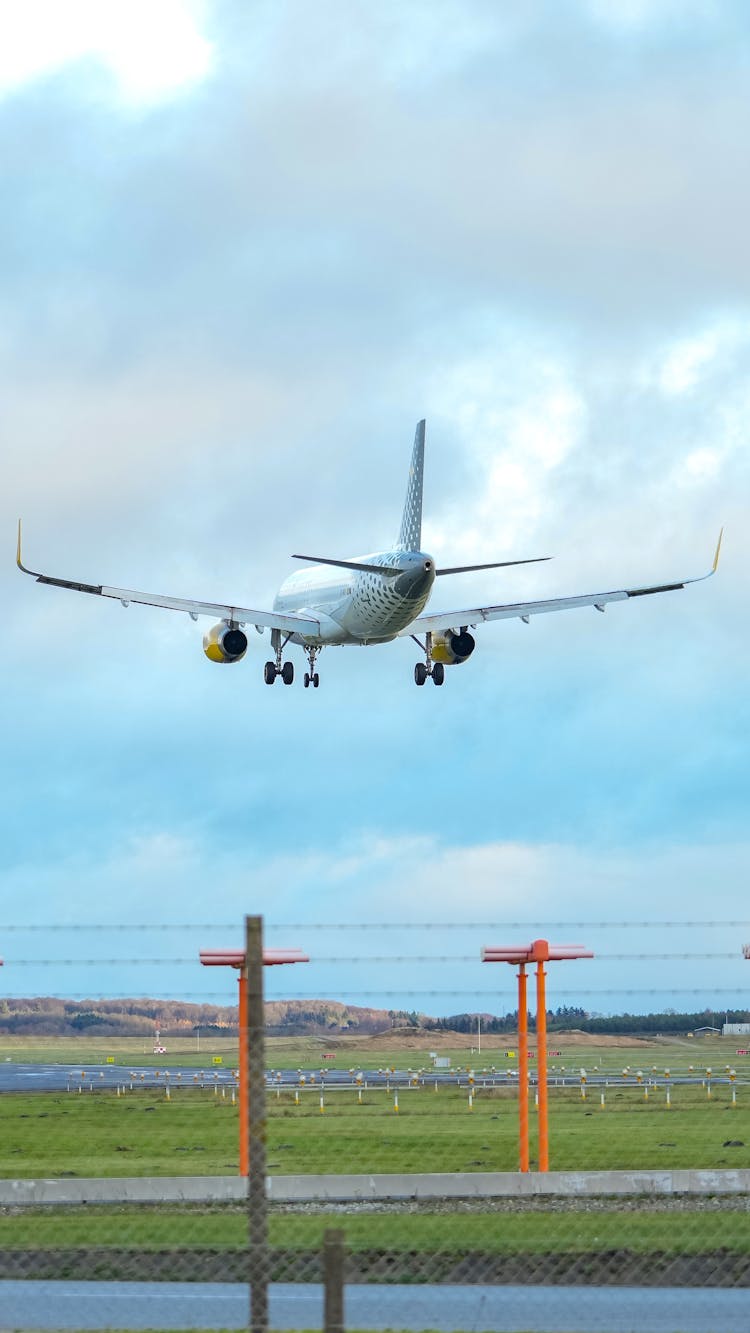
[196, 1132]
[375, 1053]
[538, 1231]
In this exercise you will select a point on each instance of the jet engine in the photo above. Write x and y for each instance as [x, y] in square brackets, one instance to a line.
[225, 642]
[452, 647]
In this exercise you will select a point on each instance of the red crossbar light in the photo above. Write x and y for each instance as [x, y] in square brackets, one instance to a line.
[236, 957]
[539, 951]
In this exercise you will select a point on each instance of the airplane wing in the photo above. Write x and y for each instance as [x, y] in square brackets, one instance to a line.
[447, 620]
[288, 624]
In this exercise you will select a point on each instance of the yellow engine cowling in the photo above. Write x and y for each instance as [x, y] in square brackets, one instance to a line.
[452, 647]
[225, 642]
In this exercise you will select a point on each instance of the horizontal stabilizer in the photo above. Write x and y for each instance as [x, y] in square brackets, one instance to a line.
[497, 564]
[351, 564]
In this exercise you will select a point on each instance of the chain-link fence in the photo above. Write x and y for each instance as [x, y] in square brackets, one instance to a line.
[378, 1156]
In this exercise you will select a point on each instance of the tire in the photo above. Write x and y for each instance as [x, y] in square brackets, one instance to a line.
[316, 680]
[269, 673]
[438, 673]
[307, 680]
[420, 673]
[287, 673]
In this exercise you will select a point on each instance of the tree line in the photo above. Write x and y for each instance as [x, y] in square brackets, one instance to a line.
[571, 1017]
[47, 1016]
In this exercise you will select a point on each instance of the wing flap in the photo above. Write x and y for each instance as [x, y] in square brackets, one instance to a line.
[289, 624]
[266, 619]
[477, 615]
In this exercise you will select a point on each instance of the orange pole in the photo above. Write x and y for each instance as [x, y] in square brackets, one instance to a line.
[541, 1065]
[523, 1070]
[243, 1088]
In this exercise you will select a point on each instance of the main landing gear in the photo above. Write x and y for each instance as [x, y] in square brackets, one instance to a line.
[311, 677]
[286, 669]
[276, 668]
[272, 669]
[428, 668]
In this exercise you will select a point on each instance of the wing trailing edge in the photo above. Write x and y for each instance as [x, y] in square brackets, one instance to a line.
[477, 615]
[289, 624]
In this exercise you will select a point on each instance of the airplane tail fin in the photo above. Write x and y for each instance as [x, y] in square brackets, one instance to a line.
[410, 536]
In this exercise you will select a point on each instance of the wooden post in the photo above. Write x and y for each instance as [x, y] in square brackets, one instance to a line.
[523, 1069]
[333, 1280]
[243, 1094]
[256, 1127]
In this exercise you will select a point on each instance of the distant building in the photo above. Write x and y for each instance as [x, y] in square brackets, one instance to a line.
[441, 1061]
[735, 1029]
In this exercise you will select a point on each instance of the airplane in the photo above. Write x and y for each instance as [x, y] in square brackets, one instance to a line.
[368, 599]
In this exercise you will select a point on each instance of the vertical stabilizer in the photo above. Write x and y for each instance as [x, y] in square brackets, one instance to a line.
[410, 536]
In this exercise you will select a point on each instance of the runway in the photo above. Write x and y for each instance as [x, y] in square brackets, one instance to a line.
[32, 1077]
[185, 1305]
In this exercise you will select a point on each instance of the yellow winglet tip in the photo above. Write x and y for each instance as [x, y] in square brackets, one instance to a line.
[718, 550]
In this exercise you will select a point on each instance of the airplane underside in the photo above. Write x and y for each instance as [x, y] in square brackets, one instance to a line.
[364, 600]
[439, 651]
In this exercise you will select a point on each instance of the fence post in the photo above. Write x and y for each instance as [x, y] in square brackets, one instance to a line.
[257, 1205]
[333, 1280]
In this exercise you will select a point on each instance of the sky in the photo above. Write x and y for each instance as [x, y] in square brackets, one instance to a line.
[243, 249]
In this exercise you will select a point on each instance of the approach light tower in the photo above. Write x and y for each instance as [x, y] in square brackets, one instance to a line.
[539, 952]
[238, 958]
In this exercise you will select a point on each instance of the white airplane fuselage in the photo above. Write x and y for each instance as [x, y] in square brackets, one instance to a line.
[354, 606]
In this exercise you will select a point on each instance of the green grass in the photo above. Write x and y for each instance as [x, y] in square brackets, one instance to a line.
[196, 1133]
[542, 1232]
[358, 1053]
[83, 1052]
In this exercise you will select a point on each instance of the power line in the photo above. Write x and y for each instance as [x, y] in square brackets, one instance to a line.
[496, 924]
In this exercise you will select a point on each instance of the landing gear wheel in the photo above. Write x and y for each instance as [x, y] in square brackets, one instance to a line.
[311, 675]
[438, 673]
[420, 673]
[287, 673]
[269, 673]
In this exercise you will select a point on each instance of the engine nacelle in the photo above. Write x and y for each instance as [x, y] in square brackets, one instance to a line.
[225, 642]
[452, 647]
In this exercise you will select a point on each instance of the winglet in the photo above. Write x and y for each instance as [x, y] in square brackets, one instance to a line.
[718, 550]
[19, 561]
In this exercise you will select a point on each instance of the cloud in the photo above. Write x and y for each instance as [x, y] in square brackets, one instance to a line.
[152, 52]
[222, 313]
[391, 920]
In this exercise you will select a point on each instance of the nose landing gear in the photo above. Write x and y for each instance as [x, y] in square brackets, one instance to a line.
[428, 668]
[311, 677]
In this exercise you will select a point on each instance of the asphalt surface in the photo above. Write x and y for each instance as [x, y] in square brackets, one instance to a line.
[60, 1078]
[184, 1305]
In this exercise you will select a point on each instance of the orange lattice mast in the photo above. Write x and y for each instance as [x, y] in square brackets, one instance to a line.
[236, 958]
[539, 952]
